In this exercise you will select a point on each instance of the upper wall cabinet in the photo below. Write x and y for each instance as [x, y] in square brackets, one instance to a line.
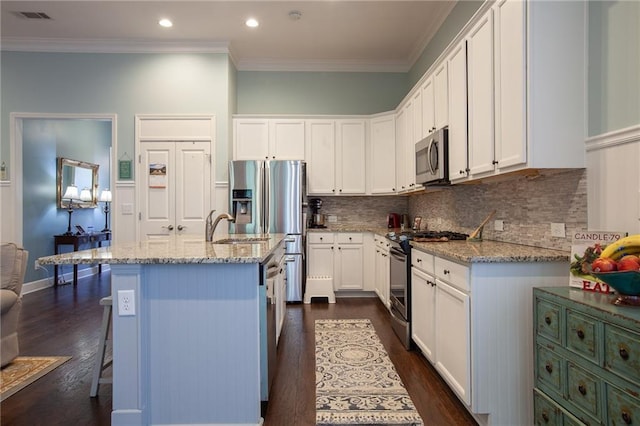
[457, 68]
[268, 139]
[382, 167]
[336, 155]
[434, 96]
[526, 79]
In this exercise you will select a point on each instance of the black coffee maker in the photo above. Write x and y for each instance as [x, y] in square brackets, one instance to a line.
[317, 219]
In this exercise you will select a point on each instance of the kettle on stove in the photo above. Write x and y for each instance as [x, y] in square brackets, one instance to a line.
[393, 220]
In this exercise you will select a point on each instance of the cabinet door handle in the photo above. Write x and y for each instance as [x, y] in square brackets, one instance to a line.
[446, 272]
[549, 368]
[545, 417]
[624, 354]
[419, 260]
[626, 417]
[580, 334]
[494, 162]
[547, 320]
[582, 389]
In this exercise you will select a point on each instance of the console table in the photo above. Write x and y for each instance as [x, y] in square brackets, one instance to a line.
[77, 241]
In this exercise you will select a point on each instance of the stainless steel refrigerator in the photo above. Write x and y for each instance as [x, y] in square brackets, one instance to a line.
[269, 197]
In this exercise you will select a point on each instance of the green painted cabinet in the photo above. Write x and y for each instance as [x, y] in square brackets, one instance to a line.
[587, 359]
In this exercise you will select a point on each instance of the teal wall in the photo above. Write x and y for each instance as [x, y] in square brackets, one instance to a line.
[458, 17]
[261, 92]
[43, 141]
[614, 65]
[125, 84]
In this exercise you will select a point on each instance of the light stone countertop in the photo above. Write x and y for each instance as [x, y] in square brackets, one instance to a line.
[173, 250]
[466, 251]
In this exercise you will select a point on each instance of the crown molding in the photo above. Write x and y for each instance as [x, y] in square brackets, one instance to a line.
[60, 45]
[443, 13]
[331, 65]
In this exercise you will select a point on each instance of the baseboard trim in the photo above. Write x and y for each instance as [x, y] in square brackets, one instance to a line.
[41, 284]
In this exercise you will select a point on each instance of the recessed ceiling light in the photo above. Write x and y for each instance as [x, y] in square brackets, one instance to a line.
[165, 23]
[252, 22]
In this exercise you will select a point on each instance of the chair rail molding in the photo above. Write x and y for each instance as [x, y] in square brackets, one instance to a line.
[616, 137]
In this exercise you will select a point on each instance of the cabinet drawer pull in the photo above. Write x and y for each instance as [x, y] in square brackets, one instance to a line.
[419, 260]
[580, 334]
[626, 418]
[549, 368]
[624, 354]
[582, 389]
[547, 320]
[545, 417]
[446, 271]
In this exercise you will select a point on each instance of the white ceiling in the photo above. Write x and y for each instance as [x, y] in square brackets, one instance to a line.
[350, 35]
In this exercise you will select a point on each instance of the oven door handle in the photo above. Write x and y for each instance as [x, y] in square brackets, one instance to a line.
[398, 254]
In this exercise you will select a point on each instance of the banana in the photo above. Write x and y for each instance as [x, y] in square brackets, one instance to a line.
[622, 247]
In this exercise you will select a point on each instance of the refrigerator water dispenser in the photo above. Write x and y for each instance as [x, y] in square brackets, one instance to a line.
[241, 205]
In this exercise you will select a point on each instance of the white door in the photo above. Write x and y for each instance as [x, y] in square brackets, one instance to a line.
[175, 188]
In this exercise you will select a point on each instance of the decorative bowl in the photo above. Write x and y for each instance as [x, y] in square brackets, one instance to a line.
[626, 283]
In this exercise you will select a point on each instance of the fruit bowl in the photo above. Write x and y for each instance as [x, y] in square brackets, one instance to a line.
[626, 283]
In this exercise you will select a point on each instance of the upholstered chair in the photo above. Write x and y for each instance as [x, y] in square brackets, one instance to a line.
[13, 265]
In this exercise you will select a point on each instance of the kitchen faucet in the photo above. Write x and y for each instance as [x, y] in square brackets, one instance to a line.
[210, 228]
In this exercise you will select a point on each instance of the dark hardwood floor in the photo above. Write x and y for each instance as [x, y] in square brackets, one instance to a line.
[66, 321]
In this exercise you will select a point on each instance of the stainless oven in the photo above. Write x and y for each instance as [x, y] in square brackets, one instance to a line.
[432, 158]
[400, 291]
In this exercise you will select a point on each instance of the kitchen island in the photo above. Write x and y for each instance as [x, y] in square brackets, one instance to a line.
[192, 349]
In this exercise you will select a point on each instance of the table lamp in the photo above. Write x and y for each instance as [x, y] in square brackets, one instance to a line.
[105, 197]
[85, 194]
[69, 194]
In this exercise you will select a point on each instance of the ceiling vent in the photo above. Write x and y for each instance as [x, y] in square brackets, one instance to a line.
[32, 15]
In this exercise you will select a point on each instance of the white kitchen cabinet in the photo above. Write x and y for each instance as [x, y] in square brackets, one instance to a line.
[452, 326]
[405, 148]
[280, 289]
[457, 65]
[382, 269]
[351, 140]
[612, 161]
[268, 139]
[435, 114]
[423, 303]
[483, 330]
[340, 255]
[480, 95]
[382, 175]
[336, 155]
[538, 76]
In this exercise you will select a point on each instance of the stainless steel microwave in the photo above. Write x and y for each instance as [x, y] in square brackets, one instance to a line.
[432, 158]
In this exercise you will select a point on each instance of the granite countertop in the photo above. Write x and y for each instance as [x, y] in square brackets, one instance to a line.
[173, 250]
[492, 252]
[465, 251]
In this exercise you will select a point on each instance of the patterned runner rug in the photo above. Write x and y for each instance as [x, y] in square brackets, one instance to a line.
[25, 370]
[356, 383]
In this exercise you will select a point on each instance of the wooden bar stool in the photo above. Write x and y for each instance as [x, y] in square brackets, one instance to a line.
[100, 365]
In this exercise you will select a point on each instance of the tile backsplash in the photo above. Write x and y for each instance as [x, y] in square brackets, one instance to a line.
[368, 211]
[527, 205]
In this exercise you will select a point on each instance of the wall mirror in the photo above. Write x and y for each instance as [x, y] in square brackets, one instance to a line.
[81, 174]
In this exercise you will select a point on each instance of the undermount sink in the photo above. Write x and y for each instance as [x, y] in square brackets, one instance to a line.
[245, 240]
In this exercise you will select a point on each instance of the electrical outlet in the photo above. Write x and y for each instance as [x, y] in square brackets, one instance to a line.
[498, 225]
[126, 208]
[557, 230]
[126, 303]
[332, 218]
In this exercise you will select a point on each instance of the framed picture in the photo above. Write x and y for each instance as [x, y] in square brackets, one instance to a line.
[80, 229]
[416, 223]
[124, 169]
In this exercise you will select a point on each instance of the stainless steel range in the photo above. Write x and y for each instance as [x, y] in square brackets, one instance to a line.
[400, 276]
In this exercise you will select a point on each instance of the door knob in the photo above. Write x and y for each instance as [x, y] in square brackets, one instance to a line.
[180, 227]
[170, 227]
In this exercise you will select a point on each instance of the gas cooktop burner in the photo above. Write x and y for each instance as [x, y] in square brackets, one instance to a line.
[427, 235]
